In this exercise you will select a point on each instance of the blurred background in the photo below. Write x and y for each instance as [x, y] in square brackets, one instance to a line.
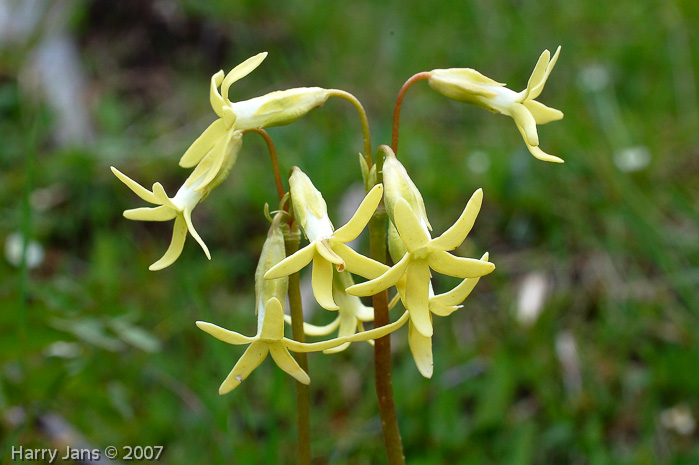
[581, 348]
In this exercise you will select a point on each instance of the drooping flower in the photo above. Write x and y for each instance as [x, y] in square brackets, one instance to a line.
[327, 245]
[469, 86]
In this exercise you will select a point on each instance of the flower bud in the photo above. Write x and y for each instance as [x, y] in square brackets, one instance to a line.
[273, 252]
[310, 208]
[398, 185]
[278, 108]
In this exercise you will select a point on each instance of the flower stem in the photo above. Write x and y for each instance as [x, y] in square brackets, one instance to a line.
[382, 346]
[399, 103]
[362, 119]
[292, 238]
[275, 161]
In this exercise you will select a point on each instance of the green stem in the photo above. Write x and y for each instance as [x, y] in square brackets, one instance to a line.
[382, 347]
[292, 239]
[364, 121]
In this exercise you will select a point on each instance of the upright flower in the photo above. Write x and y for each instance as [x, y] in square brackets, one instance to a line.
[327, 245]
[469, 86]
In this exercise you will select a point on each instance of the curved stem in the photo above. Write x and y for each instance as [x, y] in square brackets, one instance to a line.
[273, 156]
[382, 346]
[399, 103]
[362, 119]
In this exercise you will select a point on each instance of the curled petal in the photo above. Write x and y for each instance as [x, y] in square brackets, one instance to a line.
[459, 267]
[325, 251]
[179, 234]
[286, 362]
[541, 113]
[188, 219]
[215, 97]
[359, 264]
[537, 152]
[536, 91]
[322, 283]
[458, 294]
[421, 348]
[525, 122]
[361, 217]
[251, 359]
[454, 236]
[203, 144]
[408, 225]
[163, 199]
[240, 72]
[386, 280]
[417, 297]
[222, 334]
[137, 189]
[292, 263]
[161, 213]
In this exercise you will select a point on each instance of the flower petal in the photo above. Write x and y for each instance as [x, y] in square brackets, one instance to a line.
[459, 293]
[203, 144]
[163, 199]
[179, 233]
[137, 189]
[218, 157]
[322, 283]
[541, 113]
[458, 267]
[188, 219]
[381, 331]
[251, 359]
[525, 122]
[240, 72]
[408, 225]
[324, 250]
[286, 362]
[161, 213]
[222, 334]
[421, 348]
[361, 217]
[454, 236]
[386, 280]
[536, 91]
[538, 73]
[348, 327]
[273, 321]
[292, 263]
[417, 299]
[359, 264]
[215, 97]
[314, 330]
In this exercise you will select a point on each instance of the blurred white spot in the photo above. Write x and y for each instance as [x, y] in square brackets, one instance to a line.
[531, 298]
[631, 159]
[678, 419]
[593, 78]
[62, 349]
[14, 247]
[567, 352]
[48, 197]
[478, 162]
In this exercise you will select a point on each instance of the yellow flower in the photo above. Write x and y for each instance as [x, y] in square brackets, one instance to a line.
[207, 175]
[424, 253]
[470, 86]
[273, 109]
[270, 340]
[327, 246]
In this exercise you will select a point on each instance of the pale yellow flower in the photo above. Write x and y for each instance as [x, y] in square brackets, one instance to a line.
[470, 86]
[327, 246]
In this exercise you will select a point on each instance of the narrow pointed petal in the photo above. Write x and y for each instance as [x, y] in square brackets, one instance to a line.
[324, 250]
[286, 362]
[537, 152]
[440, 309]
[539, 72]
[454, 236]
[188, 219]
[541, 113]
[292, 263]
[273, 321]
[163, 199]
[361, 217]
[459, 293]
[525, 122]
[386, 280]
[458, 267]
[313, 346]
[251, 359]
[359, 264]
[218, 157]
[215, 98]
[137, 189]
[179, 233]
[222, 334]
[417, 298]
[348, 327]
[322, 283]
[313, 330]
[203, 144]
[421, 348]
[240, 72]
[536, 91]
[161, 213]
[381, 331]
[408, 225]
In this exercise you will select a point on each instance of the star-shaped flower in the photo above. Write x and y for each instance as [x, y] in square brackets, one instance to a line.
[424, 253]
[470, 86]
[270, 340]
[327, 247]
[274, 109]
[198, 185]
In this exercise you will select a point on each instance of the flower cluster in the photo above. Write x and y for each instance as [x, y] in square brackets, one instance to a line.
[334, 264]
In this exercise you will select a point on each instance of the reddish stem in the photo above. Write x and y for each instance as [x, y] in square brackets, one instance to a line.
[273, 156]
[399, 103]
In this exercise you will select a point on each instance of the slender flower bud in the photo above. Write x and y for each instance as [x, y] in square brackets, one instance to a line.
[398, 185]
